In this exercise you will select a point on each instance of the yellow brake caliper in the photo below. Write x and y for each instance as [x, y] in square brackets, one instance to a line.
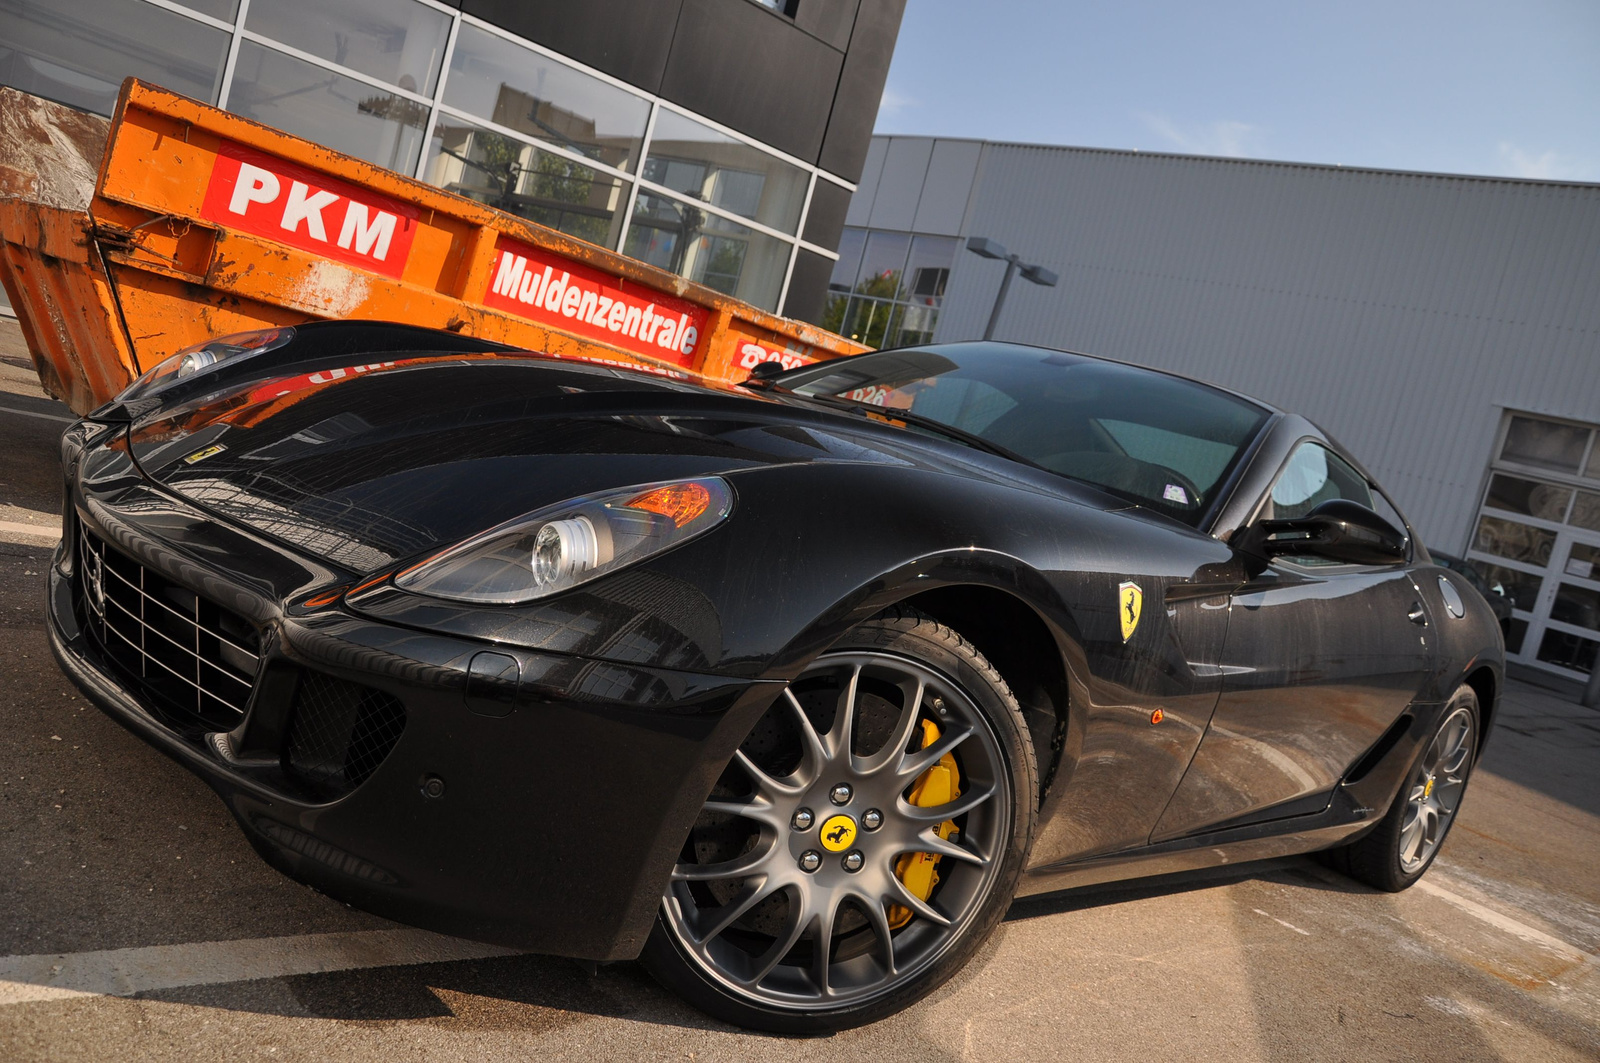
[939, 785]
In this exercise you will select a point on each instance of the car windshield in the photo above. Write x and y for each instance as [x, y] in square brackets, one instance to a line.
[1154, 439]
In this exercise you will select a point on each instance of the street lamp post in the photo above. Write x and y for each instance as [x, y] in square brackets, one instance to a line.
[987, 248]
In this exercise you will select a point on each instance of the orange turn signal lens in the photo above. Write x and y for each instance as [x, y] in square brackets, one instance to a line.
[1157, 716]
[681, 502]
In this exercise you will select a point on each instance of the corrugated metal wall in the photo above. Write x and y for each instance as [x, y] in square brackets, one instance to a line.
[1402, 312]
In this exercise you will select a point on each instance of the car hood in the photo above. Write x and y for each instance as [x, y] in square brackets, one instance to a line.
[366, 466]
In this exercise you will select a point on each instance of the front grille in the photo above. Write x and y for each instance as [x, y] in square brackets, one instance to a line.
[339, 733]
[187, 654]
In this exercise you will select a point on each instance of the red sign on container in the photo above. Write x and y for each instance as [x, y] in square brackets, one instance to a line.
[256, 193]
[570, 296]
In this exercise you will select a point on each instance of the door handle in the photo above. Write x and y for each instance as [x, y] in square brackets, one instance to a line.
[1417, 615]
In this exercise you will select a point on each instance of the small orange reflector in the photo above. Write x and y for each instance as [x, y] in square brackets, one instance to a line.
[681, 502]
[1157, 716]
[370, 583]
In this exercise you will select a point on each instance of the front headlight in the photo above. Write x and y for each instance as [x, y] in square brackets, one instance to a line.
[203, 357]
[558, 548]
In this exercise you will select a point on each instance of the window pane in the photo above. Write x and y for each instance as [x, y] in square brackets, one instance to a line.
[1576, 605]
[916, 325]
[1545, 444]
[1520, 542]
[1569, 651]
[1514, 637]
[1521, 587]
[703, 164]
[868, 321]
[329, 108]
[1313, 476]
[1545, 501]
[397, 40]
[928, 269]
[883, 266]
[518, 178]
[1586, 511]
[1583, 561]
[851, 244]
[520, 89]
[709, 249]
[833, 312]
[78, 53]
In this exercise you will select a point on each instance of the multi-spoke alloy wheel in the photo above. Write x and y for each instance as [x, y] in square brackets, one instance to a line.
[1434, 792]
[794, 902]
[1397, 852]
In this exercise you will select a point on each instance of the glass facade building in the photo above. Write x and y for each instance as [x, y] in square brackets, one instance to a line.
[433, 90]
[887, 287]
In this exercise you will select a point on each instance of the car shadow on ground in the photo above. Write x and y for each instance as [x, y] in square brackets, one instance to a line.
[530, 994]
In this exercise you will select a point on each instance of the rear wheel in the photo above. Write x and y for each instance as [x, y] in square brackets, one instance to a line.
[1404, 844]
[863, 843]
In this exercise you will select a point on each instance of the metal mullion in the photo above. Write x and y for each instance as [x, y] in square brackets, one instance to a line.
[534, 142]
[233, 54]
[438, 92]
[794, 248]
[1542, 523]
[564, 60]
[1567, 628]
[721, 212]
[817, 249]
[1475, 554]
[638, 174]
[653, 99]
[331, 67]
[179, 9]
[745, 138]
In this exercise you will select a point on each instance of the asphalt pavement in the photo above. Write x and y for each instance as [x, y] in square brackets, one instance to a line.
[136, 923]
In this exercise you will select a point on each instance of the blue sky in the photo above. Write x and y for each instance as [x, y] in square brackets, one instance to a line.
[1509, 88]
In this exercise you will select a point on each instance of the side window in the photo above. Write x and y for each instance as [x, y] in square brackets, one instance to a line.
[1313, 476]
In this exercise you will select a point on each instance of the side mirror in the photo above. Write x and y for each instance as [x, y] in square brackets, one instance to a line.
[1338, 530]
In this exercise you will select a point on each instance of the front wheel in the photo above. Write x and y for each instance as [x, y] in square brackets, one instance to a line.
[1404, 844]
[862, 844]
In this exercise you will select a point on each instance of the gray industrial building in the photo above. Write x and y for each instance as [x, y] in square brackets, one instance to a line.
[1445, 328]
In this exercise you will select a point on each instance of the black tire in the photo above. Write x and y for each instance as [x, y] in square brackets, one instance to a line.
[909, 636]
[1380, 858]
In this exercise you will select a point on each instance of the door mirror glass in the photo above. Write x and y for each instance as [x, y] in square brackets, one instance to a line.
[1337, 530]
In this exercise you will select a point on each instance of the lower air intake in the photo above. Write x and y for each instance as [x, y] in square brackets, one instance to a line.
[340, 732]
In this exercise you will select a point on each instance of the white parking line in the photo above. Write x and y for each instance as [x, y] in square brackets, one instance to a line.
[124, 972]
[1505, 923]
[41, 416]
[11, 530]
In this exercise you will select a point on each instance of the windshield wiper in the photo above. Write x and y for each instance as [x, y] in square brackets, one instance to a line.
[881, 414]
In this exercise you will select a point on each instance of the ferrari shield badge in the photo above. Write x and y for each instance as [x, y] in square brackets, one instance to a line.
[1129, 600]
[204, 453]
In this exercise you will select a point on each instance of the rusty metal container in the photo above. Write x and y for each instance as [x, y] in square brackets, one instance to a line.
[123, 242]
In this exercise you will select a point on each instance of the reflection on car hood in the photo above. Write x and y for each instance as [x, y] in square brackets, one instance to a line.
[365, 467]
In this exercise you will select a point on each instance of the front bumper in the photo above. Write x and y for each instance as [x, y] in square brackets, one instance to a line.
[551, 827]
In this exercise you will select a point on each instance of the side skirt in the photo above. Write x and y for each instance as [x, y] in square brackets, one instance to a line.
[1353, 807]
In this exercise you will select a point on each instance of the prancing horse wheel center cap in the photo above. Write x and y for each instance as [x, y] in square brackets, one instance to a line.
[838, 833]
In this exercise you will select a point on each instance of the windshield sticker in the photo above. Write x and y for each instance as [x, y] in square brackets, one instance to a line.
[1174, 493]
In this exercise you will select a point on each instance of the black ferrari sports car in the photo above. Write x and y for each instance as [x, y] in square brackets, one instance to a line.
[786, 689]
